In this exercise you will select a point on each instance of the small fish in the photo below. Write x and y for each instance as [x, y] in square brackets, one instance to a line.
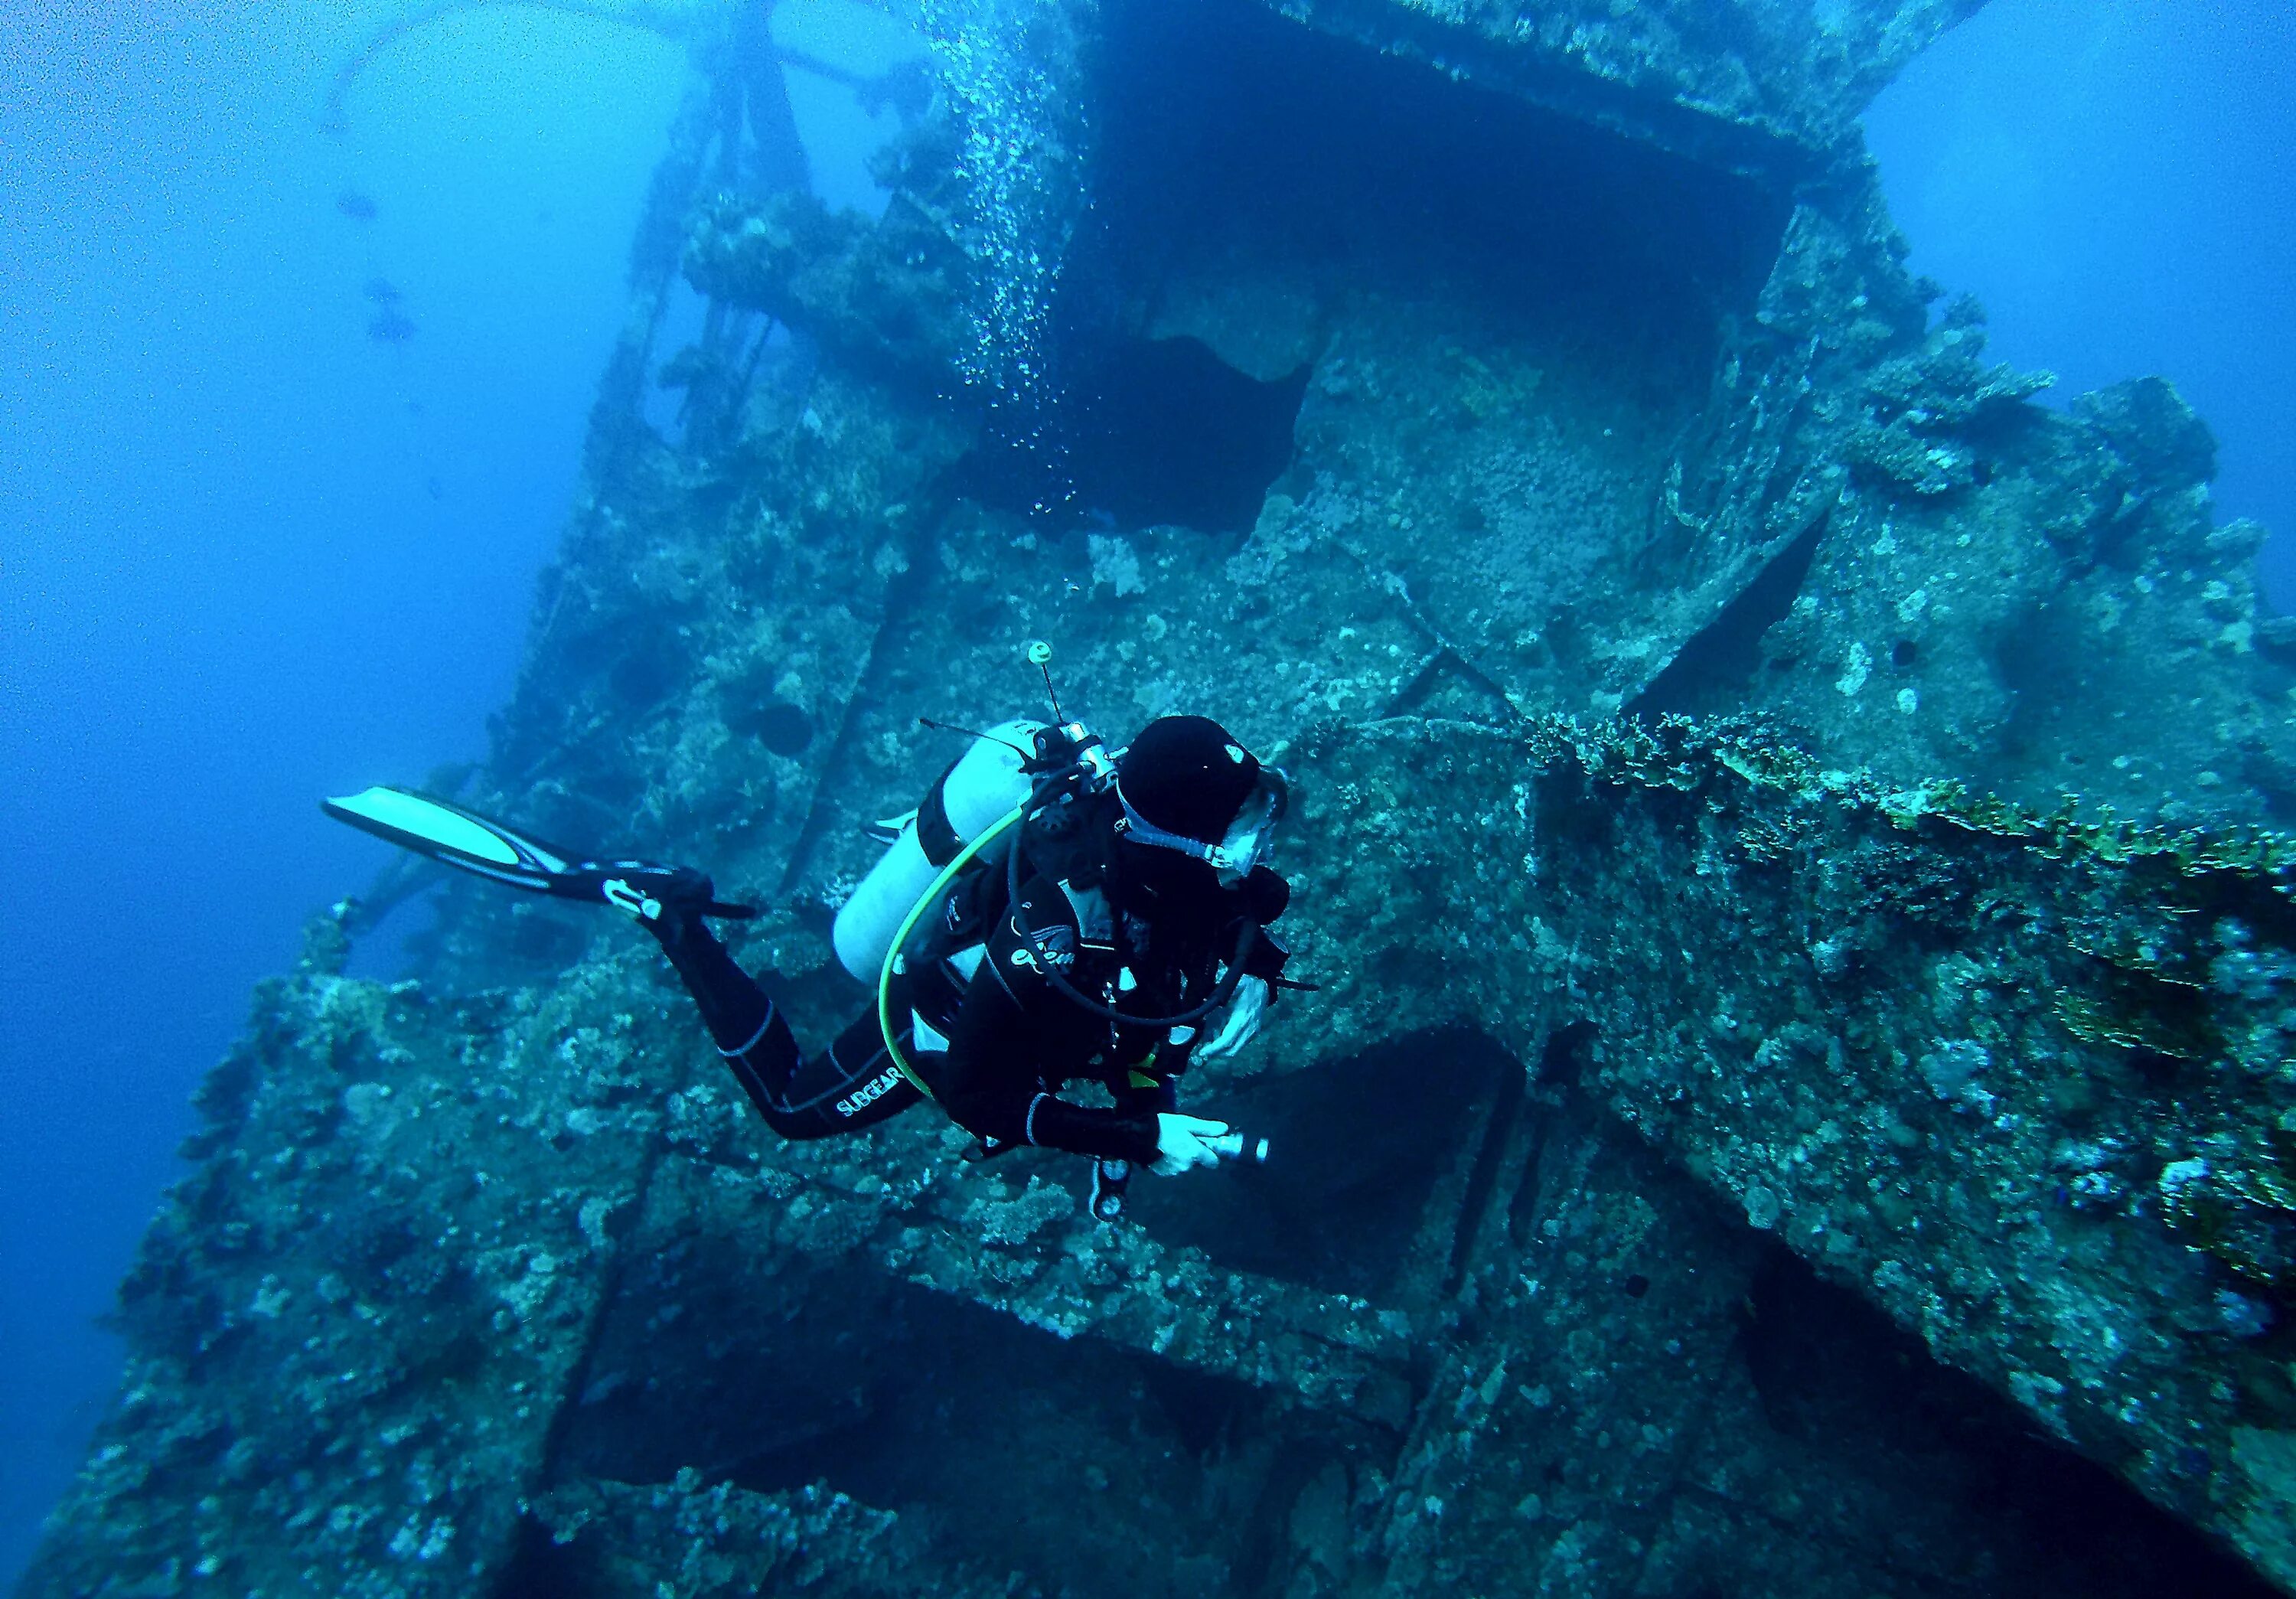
[390, 326]
[383, 291]
[357, 205]
[434, 488]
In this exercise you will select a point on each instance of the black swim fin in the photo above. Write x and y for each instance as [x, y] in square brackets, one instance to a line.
[470, 843]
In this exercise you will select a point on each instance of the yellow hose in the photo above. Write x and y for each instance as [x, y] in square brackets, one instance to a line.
[931, 896]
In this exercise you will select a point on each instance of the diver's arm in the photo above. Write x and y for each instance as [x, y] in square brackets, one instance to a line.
[987, 1085]
[1266, 958]
[1266, 895]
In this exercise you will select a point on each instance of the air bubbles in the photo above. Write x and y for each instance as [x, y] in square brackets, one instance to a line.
[1002, 68]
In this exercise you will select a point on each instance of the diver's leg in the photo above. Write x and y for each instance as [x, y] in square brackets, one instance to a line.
[741, 1017]
[853, 1083]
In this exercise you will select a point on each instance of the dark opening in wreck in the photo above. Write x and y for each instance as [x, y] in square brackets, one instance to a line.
[1222, 125]
[1354, 1226]
[972, 1424]
[986, 1432]
[1833, 1374]
[1249, 173]
[1712, 673]
[1147, 432]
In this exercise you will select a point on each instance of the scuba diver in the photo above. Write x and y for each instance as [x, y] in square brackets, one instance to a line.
[1049, 915]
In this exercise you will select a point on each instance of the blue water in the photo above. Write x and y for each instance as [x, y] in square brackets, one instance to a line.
[254, 554]
[2116, 180]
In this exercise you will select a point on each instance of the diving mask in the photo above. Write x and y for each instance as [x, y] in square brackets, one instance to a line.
[1244, 844]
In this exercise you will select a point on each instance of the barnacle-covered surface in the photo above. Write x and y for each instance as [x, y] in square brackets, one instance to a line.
[2019, 1079]
[1756, 82]
[1796, 1101]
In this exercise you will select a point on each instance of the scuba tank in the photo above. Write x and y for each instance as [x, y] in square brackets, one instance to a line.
[979, 789]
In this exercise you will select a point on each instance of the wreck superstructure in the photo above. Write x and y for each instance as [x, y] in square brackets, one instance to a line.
[1797, 814]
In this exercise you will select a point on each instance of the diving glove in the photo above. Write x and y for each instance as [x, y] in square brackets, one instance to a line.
[1183, 1142]
[1239, 1023]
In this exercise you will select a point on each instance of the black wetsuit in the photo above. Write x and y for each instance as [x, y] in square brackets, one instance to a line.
[1142, 930]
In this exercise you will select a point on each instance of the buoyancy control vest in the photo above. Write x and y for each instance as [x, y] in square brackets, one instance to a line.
[1073, 777]
[994, 797]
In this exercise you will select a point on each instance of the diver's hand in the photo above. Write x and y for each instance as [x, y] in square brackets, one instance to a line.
[1183, 1142]
[1239, 1023]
